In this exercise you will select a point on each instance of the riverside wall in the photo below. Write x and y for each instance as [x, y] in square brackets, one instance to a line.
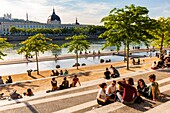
[21, 38]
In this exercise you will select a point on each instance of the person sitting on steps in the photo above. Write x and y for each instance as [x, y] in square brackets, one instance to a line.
[66, 72]
[9, 80]
[1, 81]
[57, 73]
[129, 94]
[154, 91]
[154, 66]
[29, 92]
[107, 74]
[65, 84]
[111, 91]
[15, 95]
[54, 84]
[61, 72]
[120, 89]
[142, 88]
[74, 82]
[115, 73]
[102, 99]
[53, 73]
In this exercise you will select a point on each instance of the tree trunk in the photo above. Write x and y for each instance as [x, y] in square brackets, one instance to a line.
[124, 52]
[162, 41]
[77, 59]
[36, 54]
[127, 54]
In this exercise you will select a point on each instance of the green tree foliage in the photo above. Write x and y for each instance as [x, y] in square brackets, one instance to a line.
[126, 26]
[13, 30]
[3, 45]
[162, 33]
[87, 30]
[36, 44]
[78, 43]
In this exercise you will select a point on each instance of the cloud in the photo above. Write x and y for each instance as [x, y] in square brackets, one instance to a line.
[87, 11]
[68, 10]
[156, 12]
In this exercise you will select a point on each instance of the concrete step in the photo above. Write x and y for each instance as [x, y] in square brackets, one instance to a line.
[84, 85]
[163, 108]
[93, 103]
[115, 106]
[66, 101]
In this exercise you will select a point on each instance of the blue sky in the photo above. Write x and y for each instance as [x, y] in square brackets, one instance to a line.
[87, 11]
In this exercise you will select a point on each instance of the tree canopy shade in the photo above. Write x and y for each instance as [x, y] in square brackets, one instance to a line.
[162, 33]
[36, 44]
[3, 45]
[78, 43]
[127, 25]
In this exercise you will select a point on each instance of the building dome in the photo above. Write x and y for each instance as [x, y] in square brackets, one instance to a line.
[54, 19]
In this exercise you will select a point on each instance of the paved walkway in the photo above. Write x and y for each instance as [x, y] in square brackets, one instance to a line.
[68, 56]
[82, 99]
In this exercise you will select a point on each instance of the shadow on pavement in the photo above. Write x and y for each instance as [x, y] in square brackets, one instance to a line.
[31, 108]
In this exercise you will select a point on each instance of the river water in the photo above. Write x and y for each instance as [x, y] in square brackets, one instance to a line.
[49, 65]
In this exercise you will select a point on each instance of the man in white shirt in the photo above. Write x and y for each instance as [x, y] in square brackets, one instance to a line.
[111, 91]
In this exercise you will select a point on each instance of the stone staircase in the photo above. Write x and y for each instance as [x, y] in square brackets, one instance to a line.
[83, 99]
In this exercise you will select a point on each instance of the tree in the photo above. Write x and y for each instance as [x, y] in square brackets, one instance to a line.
[162, 33]
[126, 26]
[78, 43]
[56, 31]
[3, 45]
[13, 30]
[35, 44]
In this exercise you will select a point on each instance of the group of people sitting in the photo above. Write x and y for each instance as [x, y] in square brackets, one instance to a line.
[14, 95]
[160, 64]
[127, 93]
[8, 80]
[114, 73]
[164, 62]
[134, 62]
[65, 84]
[56, 73]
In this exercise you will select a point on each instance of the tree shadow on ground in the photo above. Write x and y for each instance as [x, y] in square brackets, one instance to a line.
[32, 77]
[31, 108]
[7, 88]
[135, 66]
[79, 74]
[118, 67]
[41, 75]
[163, 70]
[24, 85]
[131, 70]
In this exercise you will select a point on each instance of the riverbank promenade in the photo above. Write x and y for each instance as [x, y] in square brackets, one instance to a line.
[72, 56]
[82, 98]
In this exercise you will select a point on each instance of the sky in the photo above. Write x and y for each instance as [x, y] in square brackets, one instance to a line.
[87, 11]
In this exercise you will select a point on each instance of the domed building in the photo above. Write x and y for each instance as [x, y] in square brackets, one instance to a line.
[53, 22]
[54, 19]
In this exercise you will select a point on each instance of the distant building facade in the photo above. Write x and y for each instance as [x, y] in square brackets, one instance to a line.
[53, 21]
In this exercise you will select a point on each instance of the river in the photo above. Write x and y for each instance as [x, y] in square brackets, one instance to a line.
[49, 65]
